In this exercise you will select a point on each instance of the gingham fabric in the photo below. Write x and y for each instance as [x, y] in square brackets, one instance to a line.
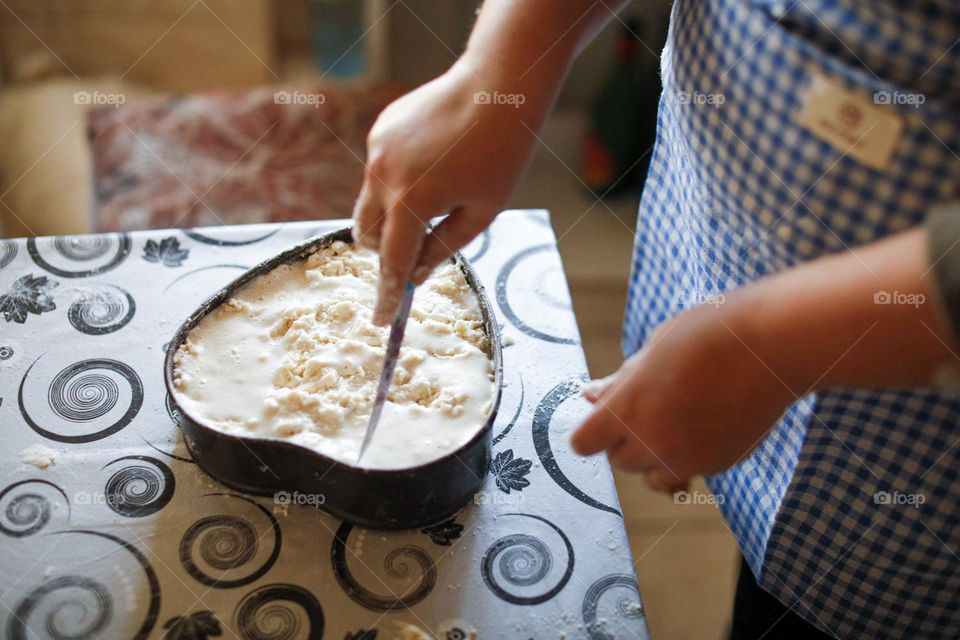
[825, 508]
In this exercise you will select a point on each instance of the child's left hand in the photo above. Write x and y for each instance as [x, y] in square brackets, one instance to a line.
[695, 400]
[711, 381]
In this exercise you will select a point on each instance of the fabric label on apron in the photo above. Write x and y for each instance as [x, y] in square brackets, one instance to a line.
[851, 123]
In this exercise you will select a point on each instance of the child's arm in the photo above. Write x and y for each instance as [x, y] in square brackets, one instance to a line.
[460, 143]
[711, 382]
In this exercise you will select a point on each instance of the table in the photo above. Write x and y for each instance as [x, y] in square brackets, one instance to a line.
[108, 528]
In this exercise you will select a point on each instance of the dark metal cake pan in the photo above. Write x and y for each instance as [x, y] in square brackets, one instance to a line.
[375, 498]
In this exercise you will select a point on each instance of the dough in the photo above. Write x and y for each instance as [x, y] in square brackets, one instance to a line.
[295, 356]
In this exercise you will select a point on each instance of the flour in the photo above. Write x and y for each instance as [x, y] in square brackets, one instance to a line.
[295, 356]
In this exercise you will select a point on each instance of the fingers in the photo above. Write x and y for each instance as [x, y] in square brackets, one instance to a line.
[595, 389]
[632, 456]
[600, 431]
[451, 235]
[367, 217]
[662, 480]
[399, 249]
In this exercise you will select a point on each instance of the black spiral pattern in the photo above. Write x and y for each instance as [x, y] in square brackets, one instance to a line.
[6, 352]
[397, 564]
[516, 415]
[26, 507]
[627, 606]
[227, 543]
[523, 560]
[241, 267]
[85, 615]
[503, 300]
[28, 512]
[81, 394]
[90, 607]
[279, 612]
[484, 246]
[172, 410]
[100, 311]
[8, 251]
[81, 398]
[542, 417]
[193, 234]
[83, 249]
[139, 489]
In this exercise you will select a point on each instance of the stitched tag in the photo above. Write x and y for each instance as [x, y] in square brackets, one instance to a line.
[851, 123]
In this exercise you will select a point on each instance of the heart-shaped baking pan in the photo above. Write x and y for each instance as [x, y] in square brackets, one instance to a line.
[374, 498]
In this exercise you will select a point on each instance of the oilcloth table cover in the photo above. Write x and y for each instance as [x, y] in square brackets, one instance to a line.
[109, 530]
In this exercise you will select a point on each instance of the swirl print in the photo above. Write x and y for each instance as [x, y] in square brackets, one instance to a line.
[96, 253]
[140, 488]
[627, 606]
[279, 612]
[225, 551]
[27, 506]
[8, 251]
[523, 560]
[542, 418]
[101, 310]
[503, 279]
[87, 596]
[241, 267]
[516, 415]
[397, 564]
[193, 234]
[84, 393]
[75, 606]
[483, 248]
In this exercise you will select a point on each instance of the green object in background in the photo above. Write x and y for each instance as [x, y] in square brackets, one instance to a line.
[337, 37]
[622, 120]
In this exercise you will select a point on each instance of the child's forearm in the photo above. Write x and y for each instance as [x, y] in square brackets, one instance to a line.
[862, 318]
[527, 46]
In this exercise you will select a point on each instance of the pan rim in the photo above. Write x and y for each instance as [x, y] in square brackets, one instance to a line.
[297, 253]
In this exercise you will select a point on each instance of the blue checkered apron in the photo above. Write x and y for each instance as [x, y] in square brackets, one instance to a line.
[741, 190]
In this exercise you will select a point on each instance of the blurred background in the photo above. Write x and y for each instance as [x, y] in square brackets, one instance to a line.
[128, 114]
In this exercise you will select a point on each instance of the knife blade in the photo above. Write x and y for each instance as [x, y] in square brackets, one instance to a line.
[389, 364]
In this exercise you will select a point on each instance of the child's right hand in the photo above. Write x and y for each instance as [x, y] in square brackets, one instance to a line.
[443, 148]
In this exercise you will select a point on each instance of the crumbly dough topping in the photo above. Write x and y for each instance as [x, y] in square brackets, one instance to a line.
[295, 355]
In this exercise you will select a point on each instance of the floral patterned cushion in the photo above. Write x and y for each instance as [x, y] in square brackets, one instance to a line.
[259, 155]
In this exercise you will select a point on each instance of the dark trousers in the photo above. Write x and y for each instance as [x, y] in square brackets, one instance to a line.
[757, 614]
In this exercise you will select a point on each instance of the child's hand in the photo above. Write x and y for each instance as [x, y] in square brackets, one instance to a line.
[711, 381]
[694, 400]
[443, 148]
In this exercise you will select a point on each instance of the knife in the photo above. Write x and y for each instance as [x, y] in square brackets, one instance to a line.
[389, 364]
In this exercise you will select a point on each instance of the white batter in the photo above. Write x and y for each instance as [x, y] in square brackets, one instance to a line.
[295, 356]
